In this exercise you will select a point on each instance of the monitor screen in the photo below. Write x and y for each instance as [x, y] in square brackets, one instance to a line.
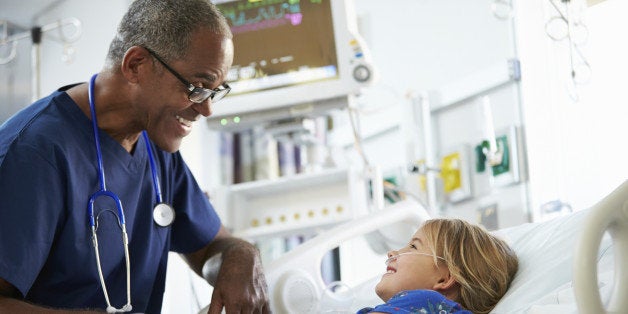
[280, 43]
[289, 54]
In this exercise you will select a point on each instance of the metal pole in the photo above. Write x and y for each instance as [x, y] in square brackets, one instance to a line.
[35, 63]
[430, 159]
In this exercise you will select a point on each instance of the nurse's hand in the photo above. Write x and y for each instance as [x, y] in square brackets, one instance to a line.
[240, 285]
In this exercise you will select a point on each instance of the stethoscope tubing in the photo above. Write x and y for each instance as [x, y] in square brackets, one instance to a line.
[120, 216]
[92, 109]
[153, 168]
[101, 171]
[116, 199]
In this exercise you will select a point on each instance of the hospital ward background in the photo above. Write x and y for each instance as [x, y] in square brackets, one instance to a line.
[351, 121]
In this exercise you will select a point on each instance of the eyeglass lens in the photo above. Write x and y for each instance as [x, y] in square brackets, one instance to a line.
[199, 94]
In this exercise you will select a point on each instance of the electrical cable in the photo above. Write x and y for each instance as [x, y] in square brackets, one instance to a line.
[357, 139]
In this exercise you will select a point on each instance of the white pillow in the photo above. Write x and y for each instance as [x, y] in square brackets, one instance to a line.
[546, 253]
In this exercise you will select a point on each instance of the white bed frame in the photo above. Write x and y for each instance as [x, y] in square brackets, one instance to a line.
[609, 215]
[294, 279]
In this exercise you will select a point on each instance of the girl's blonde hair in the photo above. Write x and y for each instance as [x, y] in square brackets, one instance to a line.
[482, 264]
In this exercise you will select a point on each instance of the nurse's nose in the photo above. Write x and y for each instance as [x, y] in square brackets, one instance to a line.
[204, 108]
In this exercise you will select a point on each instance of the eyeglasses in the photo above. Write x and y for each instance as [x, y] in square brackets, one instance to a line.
[197, 94]
[395, 257]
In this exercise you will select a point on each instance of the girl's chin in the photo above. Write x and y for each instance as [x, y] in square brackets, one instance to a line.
[381, 292]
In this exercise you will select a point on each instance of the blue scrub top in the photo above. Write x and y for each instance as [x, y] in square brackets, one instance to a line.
[48, 171]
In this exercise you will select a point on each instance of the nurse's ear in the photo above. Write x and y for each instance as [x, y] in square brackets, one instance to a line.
[134, 61]
[447, 286]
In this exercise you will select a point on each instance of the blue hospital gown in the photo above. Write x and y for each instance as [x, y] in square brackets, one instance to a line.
[417, 301]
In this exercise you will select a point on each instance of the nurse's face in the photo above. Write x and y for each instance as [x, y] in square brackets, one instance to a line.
[410, 268]
[170, 115]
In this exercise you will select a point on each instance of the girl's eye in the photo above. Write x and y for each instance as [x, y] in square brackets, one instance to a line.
[412, 246]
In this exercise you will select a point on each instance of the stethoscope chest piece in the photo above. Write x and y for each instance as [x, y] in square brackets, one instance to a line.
[163, 214]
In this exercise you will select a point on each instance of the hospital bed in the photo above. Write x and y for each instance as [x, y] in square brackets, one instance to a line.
[571, 264]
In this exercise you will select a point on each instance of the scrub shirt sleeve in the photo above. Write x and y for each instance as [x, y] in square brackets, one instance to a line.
[196, 222]
[32, 194]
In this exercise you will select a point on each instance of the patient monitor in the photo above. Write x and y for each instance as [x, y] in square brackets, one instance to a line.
[292, 59]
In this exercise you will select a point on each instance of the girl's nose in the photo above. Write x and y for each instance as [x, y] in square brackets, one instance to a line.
[391, 257]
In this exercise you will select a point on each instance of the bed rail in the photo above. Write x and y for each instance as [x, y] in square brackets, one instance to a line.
[609, 215]
[294, 279]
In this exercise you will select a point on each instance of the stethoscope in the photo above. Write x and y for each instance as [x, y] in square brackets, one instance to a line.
[163, 213]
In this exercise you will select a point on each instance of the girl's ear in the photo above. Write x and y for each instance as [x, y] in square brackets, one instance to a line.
[447, 286]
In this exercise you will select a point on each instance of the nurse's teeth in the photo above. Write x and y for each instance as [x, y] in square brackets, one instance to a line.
[184, 121]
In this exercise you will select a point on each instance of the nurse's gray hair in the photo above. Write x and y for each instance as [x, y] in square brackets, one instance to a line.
[165, 26]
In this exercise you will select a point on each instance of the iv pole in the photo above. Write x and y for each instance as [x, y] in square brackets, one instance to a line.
[422, 107]
[36, 34]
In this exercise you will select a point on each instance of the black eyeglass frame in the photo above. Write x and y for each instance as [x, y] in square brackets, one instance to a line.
[197, 94]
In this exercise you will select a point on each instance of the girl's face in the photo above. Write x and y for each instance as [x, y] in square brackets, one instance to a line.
[410, 268]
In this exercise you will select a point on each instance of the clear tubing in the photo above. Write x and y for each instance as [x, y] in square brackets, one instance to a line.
[394, 257]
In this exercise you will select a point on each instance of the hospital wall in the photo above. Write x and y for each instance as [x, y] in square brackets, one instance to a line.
[573, 149]
[576, 150]
[430, 46]
[99, 21]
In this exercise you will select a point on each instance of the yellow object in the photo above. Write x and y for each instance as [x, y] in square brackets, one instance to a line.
[450, 172]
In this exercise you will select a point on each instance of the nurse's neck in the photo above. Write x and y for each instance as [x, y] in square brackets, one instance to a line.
[113, 114]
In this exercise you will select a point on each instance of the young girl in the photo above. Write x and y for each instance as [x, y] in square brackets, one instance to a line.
[448, 266]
